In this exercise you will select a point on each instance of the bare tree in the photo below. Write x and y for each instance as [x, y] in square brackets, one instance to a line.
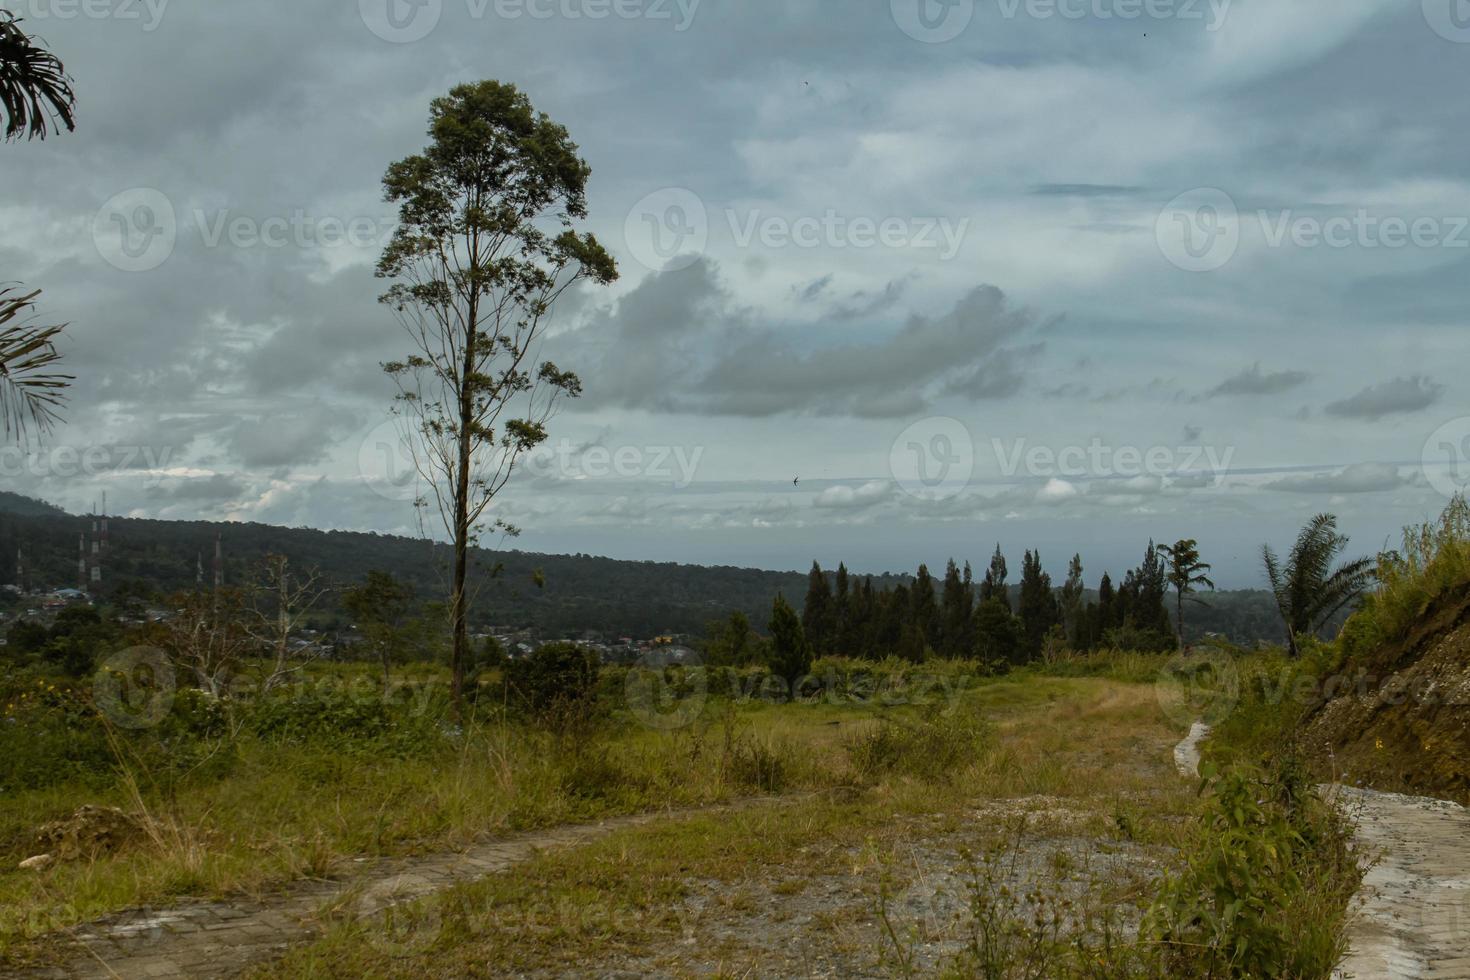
[279, 601]
[206, 636]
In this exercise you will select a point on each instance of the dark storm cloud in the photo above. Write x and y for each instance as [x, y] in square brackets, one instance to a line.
[1254, 381]
[1397, 397]
[679, 343]
[217, 488]
[1359, 478]
[261, 365]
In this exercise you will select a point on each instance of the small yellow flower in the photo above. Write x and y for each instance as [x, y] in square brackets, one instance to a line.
[1378, 743]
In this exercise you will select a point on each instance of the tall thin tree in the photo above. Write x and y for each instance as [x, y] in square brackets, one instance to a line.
[1185, 574]
[484, 248]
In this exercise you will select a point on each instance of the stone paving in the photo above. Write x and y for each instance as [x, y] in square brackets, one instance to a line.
[1413, 913]
[221, 939]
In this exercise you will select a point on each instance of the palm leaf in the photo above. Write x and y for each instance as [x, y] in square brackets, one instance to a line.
[35, 89]
[1308, 591]
[30, 392]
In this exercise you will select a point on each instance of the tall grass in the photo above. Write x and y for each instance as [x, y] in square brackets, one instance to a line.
[1433, 560]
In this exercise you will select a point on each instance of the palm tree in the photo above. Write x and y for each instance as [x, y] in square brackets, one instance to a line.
[35, 89]
[1308, 593]
[1185, 572]
[37, 96]
[30, 394]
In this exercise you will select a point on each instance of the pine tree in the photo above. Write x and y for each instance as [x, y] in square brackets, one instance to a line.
[790, 653]
[1106, 605]
[816, 614]
[923, 612]
[997, 634]
[865, 621]
[1071, 598]
[957, 607]
[1038, 606]
[994, 584]
[842, 634]
[892, 617]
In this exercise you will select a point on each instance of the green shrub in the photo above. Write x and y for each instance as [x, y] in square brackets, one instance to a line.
[1266, 887]
[555, 683]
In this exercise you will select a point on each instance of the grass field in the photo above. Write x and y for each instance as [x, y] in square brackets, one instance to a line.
[1023, 825]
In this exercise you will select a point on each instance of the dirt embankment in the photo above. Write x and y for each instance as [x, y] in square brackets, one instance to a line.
[1399, 720]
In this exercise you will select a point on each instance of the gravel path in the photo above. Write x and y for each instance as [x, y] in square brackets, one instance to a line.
[1413, 913]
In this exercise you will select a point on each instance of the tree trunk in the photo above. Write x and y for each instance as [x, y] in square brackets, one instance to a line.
[461, 567]
[1179, 615]
[458, 606]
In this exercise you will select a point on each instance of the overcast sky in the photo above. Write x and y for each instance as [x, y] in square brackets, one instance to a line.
[1064, 275]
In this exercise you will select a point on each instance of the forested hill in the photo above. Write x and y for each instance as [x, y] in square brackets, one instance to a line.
[579, 592]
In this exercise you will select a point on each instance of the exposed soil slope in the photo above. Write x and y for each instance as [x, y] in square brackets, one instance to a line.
[1399, 721]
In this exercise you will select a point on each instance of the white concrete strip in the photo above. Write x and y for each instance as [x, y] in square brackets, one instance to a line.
[1412, 916]
[1186, 753]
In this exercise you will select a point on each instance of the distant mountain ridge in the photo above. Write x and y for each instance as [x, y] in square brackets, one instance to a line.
[19, 504]
[580, 592]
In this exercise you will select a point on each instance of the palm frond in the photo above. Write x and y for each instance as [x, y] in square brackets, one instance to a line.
[1308, 591]
[31, 393]
[35, 89]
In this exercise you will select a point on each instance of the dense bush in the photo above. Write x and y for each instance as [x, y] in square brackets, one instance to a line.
[555, 680]
[1267, 884]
